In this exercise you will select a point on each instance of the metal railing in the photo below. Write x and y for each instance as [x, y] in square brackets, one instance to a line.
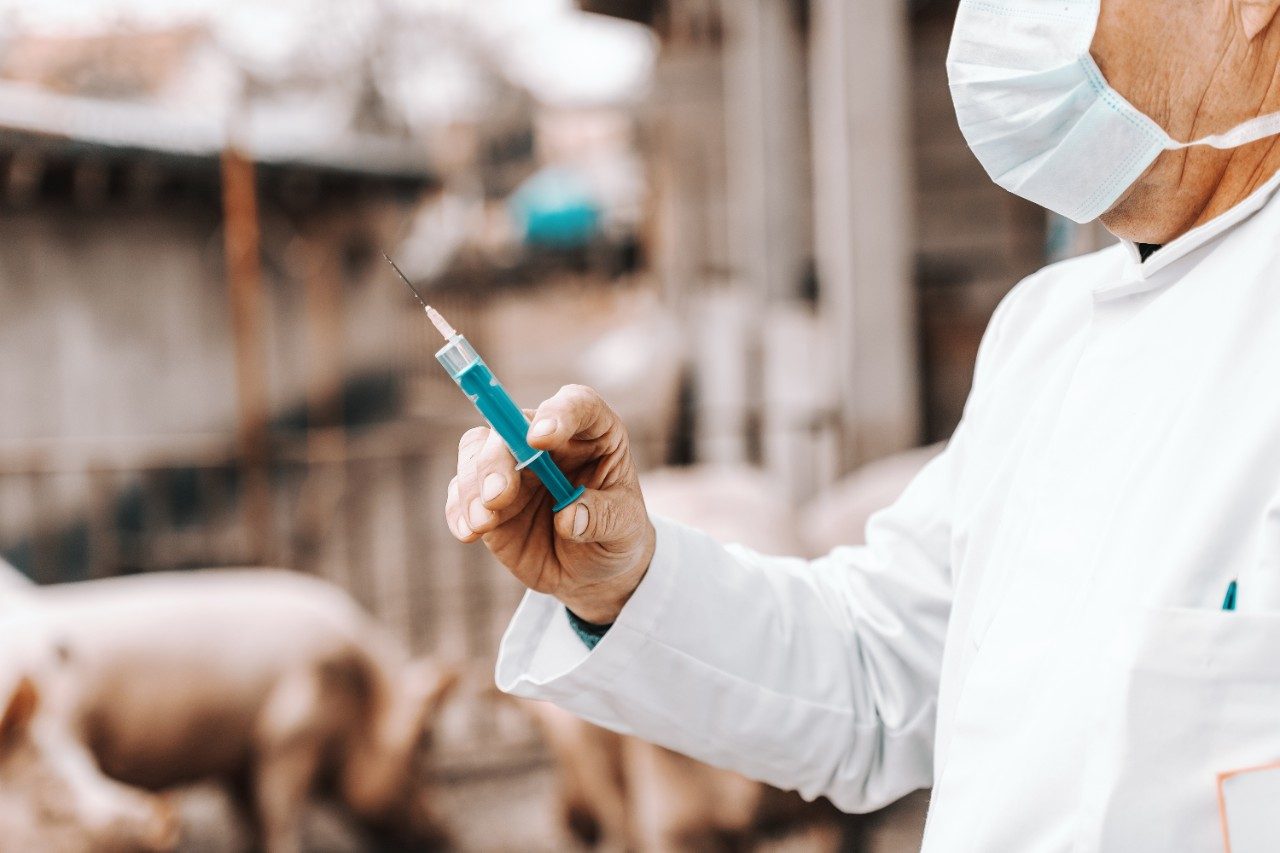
[363, 510]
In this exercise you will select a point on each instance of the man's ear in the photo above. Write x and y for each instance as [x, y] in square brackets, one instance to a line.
[19, 710]
[1257, 15]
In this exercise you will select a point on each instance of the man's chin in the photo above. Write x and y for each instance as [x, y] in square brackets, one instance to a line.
[1144, 217]
[1119, 223]
[1159, 206]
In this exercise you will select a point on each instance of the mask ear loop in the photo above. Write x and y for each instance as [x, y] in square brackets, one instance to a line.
[1242, 134]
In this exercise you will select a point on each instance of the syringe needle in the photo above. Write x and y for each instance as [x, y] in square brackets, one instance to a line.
[406, 281]
[441, 324]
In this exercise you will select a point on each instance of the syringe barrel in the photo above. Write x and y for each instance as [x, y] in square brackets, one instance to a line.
[496, 406]
[562, 491]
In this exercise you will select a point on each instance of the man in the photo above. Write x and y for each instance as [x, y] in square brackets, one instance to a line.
[1036, 629]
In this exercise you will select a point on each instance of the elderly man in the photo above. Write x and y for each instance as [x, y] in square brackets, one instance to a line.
[1041, 627]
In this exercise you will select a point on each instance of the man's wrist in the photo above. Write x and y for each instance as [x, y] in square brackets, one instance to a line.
[600, 604]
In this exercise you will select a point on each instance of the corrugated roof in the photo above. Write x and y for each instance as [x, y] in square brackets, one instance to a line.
[147, 127]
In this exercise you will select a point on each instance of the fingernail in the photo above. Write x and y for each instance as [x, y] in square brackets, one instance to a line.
[546, 426]
[493, 486]
[579, 520]
[477, 515]
[464, 529]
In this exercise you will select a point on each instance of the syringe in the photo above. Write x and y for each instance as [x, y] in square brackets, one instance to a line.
[477, 381]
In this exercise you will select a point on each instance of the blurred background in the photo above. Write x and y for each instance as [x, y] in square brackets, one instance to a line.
[752, 224]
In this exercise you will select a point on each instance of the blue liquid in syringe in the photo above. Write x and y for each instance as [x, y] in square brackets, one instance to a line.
[496, 406]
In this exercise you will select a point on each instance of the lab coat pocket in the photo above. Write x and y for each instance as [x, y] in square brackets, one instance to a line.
[1201, 696]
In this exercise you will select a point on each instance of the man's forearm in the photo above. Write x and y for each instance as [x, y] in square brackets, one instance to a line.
[742, 661]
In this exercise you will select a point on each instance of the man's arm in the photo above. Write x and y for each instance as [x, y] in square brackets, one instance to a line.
[819, 676]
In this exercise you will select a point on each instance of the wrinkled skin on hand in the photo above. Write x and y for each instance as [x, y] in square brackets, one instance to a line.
[593, 554]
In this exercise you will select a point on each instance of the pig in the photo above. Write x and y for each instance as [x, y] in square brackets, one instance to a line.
[679, 804]
[53, 796]
[731, 503]
[266, 679]
[590, 776]
[617, 793]
[838, 515]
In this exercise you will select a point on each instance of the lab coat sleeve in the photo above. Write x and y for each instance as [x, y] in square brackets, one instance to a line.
[819, 676]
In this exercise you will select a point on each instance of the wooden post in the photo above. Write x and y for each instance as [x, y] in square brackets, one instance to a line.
[244, 287]
[862, 187]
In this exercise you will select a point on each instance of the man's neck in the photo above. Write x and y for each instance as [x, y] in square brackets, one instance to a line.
[1247, 171]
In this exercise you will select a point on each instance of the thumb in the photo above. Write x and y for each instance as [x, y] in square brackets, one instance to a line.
[597, 516]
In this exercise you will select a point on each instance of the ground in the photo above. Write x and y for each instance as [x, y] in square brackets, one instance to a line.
[511, 812]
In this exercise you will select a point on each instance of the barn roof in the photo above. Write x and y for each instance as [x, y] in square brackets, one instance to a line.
[78, 121]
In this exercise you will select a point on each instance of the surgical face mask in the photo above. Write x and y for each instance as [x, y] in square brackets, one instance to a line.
[1039, 115]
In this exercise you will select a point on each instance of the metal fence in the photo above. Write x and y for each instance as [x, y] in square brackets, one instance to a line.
[363, 510]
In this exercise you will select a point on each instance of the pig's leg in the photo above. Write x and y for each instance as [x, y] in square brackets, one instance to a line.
[289, 740]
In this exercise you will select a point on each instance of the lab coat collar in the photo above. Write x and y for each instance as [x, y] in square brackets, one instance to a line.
[1138, 273]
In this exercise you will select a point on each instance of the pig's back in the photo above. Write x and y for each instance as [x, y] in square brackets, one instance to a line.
[172, 669]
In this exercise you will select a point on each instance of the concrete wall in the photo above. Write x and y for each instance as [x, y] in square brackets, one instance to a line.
[116, 323]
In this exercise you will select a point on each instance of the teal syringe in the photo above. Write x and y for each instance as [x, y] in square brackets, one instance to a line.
[494, 403]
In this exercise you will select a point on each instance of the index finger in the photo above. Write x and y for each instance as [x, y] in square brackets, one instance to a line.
[575, 413]
[469, 446]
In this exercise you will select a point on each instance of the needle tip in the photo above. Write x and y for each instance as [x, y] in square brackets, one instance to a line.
[405, 279]
[438, 321]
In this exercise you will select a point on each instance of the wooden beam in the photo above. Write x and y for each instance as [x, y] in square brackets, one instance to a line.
[641, 11]
[244, 288]
[22, 178]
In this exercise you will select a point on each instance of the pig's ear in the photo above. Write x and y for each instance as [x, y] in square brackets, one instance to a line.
[431, 682]
[19, 710]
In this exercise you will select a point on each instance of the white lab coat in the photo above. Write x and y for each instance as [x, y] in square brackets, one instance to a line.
[1035, 627]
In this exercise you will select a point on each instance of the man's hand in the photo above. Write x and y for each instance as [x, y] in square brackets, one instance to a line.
[591, 555]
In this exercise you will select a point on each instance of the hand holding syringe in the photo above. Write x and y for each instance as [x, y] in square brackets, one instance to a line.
[591, 557]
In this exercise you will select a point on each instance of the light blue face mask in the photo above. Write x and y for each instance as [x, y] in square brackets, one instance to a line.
[1041, 118]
